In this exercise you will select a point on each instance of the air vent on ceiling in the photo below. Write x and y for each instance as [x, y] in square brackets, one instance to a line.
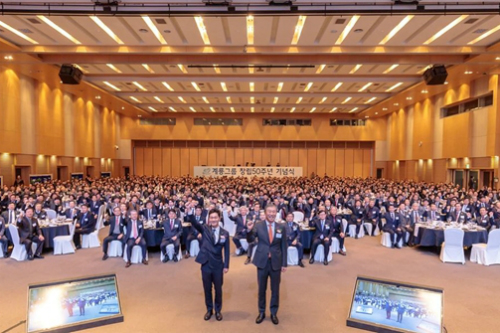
[161, 21]
[25, 31]
[34, 21]
[470, 21]
[340, 21]
[480, 31]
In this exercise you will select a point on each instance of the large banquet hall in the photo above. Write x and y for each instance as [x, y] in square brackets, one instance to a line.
[350, 147]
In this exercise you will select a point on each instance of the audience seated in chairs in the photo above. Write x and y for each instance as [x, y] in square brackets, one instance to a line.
[85, 224]
[116, 231]
[29, 233]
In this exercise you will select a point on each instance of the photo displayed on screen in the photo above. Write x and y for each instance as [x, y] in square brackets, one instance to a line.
[403, 308]
[71, 303]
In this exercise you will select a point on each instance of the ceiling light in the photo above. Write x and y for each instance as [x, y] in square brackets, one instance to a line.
[409, 98]
[149, 69]
[216, 69]
[424, 91]
[250, 30]
[138, 85]
[181, 99]
[212, 109]
[320, 69]
[370, 100]
[280, 86]
[223, 86]
[394, 86]
[376, 113]
[367, 117]
[337, 86]
[347, 100]
[159, 99]
[111, 85]
[251, 69]
[384, 109]
[292, 109]
[445, 82]
[232, 109]
[309, 85]
[195, 86]
[228, 99]
[205, 100]
[252, 86]
[365, 87]
[167, 86]
[8, 58]
[182, 68]
[154, 30]
[390, 69]
[272, 109]
[445, 29]
[275, 100]
[483, 36]
[17, 33]
[298, 29]
[113, 67]
[323, 100]
[396, 104]
[299, 100]
[135, 99]
[106, 29]
[152, 109]
[98, 97]
[172, 109]
[468, 72]
[202, 29]
[497, 58]
[58, 29]
[355, 69]
[396, 29]
[252, 109]
[354, 109]
[312, 110]
[333, 110]
[347, 29]
[252, 100]
[192, 109]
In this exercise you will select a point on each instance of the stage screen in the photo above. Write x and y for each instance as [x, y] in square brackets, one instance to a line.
[70, 305]
[388, 306]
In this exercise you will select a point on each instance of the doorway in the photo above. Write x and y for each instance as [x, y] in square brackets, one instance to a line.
[487, 178]
[458, 177]
[89, 172]
[126, 171]
[62, 173]
[380, 173]
[473, 179]
[24, 172]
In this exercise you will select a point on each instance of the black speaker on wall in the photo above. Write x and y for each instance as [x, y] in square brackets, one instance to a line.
[70, 74]
[435, 75]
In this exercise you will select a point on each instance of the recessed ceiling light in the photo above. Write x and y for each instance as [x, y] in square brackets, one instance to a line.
[376, 113]
[8, 57]
[445, 82]
[396, 104]
[144, 31]
[424, 91]
[497, 58]
[139, 116]
[409, 98]
[357, 31]
[384, 109]
[123, 108]
[367, 117]
[98, 97]
[468, 72]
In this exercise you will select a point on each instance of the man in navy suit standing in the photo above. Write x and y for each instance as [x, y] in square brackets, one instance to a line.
[213, 264]
[270, 259]
[172, 228]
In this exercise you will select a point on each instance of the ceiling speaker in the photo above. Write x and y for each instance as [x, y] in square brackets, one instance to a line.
[70, 74]
[435, 75]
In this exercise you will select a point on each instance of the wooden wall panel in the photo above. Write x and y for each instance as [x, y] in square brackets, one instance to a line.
[157, 162]
[284, 157]
[212, 157]
[311, 160]
[349, 163]
[203, 156]
[367, 163]
[266, 157]
[185, 162]
[176, 162]
[148, 161]
[230, 157]
[166, 154]
[303, 162]
[193, 159]
[339, 162]
[321, 162]
[294, 157]
[221, 156]
[275, 156]
[238, 157]
[358, 163]
[330, 162]
[257, 156]
[139, 161]
[248, 155]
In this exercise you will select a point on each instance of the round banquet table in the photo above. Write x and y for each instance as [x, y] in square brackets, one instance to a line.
[49, 233]
[435, 237]
[153, 236]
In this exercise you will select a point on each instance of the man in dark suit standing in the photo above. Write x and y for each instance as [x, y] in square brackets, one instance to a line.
[213, 264]
[270, 259]
[293, 237]
[134, 236]
[116, 224]
[172, 228]
[85, 224]
[30, 232]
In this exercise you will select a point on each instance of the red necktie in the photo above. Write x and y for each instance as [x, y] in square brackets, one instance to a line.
[270, 233]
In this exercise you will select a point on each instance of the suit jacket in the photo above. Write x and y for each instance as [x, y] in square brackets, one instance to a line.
[241, 228]
[42, 215]
[336, 224]
[111, 222]
[327, 230]
[140, 230]
[482, 221]
[391, 223]
[28, 229]
[462, 218]
[372, 213]
[94, 206]
[154, 214]
[2, 227]
[357, 213]
[211, 253]
[5, 216]
[293, 232]
[87, 221]
[67, 213]
[412, 219]
[277, 248]
[437, 216]
[175, 231]
[192, 219]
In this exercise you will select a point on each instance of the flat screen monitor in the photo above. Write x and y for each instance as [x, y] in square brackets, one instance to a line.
[70, 305]
[395, 307]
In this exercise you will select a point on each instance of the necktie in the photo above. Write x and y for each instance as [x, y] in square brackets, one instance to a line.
[322, 225]
[117, 219]
[149, 214]
[392, 216]
[197, 219]
[458, 215]
[270, 231]
[135, 229]
[244, 220]
[11, 216]
[290, 225]
[433, 215]
[214, 235]
[171, 224]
